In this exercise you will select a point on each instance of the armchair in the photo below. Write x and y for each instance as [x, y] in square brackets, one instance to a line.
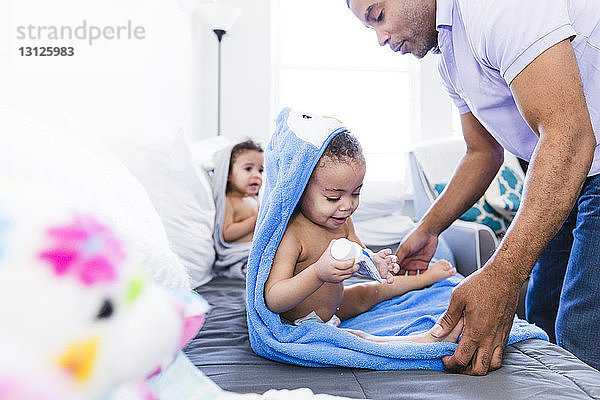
[471, 243]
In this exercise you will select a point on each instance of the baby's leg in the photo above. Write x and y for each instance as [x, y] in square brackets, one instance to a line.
[404, 284]
[425, 337]
[438, 271]
[361, 297]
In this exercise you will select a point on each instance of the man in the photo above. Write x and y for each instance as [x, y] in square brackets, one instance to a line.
[520, 73]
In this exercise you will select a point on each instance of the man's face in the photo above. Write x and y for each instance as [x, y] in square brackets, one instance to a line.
[332, 193]
[407, 26]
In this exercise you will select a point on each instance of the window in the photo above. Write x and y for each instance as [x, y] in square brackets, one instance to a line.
[325, 61]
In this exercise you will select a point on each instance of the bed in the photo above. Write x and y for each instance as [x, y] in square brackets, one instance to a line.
[532, 369]
[36, 153]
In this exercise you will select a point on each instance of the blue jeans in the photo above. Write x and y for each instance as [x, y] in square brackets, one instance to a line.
[563, 296]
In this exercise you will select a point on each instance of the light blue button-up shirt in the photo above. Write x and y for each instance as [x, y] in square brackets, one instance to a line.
[485, 44]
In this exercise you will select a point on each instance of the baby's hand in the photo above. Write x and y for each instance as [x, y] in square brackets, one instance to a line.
[386, 264]
[328, 269]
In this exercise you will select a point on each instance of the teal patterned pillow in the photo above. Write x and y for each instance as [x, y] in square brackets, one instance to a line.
[504, 194]
[500, 203]
[482, 213]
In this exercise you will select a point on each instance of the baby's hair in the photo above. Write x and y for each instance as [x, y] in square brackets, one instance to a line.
[241, 147]
[238, 149]
[343, 147]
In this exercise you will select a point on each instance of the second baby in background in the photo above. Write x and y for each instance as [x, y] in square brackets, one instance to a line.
[243, 183]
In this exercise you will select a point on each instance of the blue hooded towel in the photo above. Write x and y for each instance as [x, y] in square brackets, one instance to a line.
[290, 157]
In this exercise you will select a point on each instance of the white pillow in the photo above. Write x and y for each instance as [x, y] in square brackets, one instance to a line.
[380, 199]
[181, 194]
[203, 151]
[95, 180]
[383, 231]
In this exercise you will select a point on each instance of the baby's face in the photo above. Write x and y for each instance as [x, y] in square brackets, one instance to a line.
[245, 176]
[332, 193]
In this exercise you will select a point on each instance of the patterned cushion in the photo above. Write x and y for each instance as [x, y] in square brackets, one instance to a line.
[504, 194]
[499, 204]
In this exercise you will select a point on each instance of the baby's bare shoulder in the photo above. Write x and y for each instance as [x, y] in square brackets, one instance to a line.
[242, 207]
[230, 201]
[313, 239]
[287, 254]
[298, 236]
[291, 233]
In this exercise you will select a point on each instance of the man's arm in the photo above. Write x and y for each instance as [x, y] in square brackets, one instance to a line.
[471, 178]
[550, 96]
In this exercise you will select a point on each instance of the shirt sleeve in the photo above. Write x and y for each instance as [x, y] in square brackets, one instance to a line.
[458, 101]
[508, 35]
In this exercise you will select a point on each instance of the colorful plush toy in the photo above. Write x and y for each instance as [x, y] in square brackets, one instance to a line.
[79, 318]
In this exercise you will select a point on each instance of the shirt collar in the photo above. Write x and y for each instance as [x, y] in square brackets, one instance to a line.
[443, 13]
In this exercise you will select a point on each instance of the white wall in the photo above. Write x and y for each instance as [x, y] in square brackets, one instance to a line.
[123, 87]
[166, 81]
[434, 108]
[246, 80]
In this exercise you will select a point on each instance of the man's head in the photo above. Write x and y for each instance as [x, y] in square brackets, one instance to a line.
[407, 26]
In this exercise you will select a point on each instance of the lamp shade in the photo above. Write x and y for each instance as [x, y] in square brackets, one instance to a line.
[218, 15]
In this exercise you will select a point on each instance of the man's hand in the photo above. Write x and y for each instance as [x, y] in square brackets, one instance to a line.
[415, 251]
[487, 299]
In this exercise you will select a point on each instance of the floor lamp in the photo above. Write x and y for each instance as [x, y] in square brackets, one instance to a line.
[220, 18]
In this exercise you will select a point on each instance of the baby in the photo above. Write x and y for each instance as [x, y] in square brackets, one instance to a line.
[243, 183]
[305, 282]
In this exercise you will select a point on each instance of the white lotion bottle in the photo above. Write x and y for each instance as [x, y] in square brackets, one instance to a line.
[344, 249]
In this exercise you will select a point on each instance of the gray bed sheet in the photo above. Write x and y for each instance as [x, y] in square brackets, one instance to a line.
[533, 369]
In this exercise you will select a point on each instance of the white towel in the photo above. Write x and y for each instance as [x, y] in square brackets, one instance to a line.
[231, 256]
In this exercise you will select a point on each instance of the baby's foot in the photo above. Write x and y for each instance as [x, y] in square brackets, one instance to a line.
[438, 271]
[425, 337]
[368, 336]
